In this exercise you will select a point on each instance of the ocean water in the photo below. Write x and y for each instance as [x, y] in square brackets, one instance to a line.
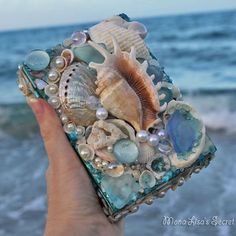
[198, 52]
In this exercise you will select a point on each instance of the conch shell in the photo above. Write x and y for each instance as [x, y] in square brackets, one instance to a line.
[124, 87]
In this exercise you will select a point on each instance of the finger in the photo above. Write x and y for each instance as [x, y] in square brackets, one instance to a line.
[58, 148]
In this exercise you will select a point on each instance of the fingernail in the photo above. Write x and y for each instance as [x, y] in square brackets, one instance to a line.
[35, 105]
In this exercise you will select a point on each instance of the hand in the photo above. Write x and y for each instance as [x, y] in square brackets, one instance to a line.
[73, 207]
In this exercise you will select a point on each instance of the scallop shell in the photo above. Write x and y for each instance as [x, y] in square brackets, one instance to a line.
[101, 33]
[146, 153]
[104, 134]
[124, 87]
[76, 85]
[186, 131]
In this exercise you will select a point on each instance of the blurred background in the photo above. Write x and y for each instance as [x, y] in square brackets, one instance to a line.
[196, 42]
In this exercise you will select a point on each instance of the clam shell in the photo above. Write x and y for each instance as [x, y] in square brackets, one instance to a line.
[101, 33]
[124, 87]
[76, 85]
[146, 153]
[186, 131]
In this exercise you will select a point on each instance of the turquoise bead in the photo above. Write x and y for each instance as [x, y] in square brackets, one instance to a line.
[37, 60]
[125, 151]
[87, 54]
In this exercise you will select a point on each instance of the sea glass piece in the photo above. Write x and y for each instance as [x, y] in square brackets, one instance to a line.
[37, 60]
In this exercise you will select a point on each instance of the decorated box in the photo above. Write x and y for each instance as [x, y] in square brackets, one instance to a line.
[124, 117]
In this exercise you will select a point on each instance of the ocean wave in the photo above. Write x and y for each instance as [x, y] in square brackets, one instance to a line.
[17, 120]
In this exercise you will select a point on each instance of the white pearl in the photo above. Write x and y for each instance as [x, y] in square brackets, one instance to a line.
[101, 113]
[97, 160]
[69, 127]
[64, 118]
[110, 149]
[54, 102]
[20, 86]
[53, 75]
[60, 62]
[153, 140]
[162, 134]
[99, 165]
[51, 90]
[80, 130]
[142, 136]
[104, 164]
[84, 153]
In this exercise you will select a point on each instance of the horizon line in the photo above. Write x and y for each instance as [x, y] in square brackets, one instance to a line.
[134, 18]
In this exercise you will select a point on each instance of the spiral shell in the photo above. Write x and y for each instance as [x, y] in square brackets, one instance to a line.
[124, 87]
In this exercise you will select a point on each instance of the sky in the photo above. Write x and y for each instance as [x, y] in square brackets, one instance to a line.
[18, 14]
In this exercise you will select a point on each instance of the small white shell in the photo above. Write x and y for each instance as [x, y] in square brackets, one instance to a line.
[147, 179]
[86, 152]
[146, 153]
[115, 170]
[68, 55]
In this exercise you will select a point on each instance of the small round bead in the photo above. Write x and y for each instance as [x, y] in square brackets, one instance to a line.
[85, 153]
[53, 76]
[153, 140]
[97, 160]
[99, 165]
[104, 164]
[54, 102]
[101, 113]
[59, 62]
[64, 118]
[162, 134]
[20, 86]
[80, 130]
[51, 90]
[69, 127]
[142, 136]
[110, 149]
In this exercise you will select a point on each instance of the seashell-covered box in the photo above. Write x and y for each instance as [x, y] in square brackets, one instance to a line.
[121, 112]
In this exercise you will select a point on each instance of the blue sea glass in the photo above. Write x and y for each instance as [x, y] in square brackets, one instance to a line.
[183, 131]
